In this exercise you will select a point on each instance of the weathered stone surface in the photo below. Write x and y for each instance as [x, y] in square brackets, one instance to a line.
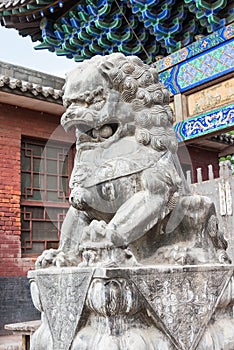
[62, 295]
[183, 300]
[127, 186]
[150, 268]
[168, 307]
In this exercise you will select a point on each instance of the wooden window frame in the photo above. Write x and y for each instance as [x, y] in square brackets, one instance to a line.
[31, 206]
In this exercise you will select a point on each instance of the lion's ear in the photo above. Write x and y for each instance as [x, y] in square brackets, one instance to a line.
[154, 74]
[106, 66]
[105, 69]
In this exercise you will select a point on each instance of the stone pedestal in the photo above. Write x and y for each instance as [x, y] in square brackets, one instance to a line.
[148, 307]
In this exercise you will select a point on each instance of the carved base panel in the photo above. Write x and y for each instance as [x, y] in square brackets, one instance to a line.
[138, 308]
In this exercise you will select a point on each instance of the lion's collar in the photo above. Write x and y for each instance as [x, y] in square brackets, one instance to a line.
[123, 158]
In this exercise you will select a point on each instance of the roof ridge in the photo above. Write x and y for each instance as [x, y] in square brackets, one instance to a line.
[25, 86]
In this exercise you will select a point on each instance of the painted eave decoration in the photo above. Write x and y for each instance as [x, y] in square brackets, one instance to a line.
[203, 124]
[151, 29]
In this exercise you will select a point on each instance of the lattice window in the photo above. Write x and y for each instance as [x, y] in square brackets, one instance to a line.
[44, 194]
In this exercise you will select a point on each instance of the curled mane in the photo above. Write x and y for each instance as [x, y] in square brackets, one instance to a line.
[139, 86]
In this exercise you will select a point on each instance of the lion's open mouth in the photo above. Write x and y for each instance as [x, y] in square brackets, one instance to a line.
[97, 134]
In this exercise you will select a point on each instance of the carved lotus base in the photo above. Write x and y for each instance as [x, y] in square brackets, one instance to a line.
[141, 308]
[134, 335]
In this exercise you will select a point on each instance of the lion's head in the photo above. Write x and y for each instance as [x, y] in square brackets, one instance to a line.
[118, 95]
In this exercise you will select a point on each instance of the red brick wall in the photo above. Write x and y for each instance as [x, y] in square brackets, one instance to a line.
[15, 123]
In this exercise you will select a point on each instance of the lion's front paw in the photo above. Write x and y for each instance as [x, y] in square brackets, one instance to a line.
[56, 257]
[47, 258]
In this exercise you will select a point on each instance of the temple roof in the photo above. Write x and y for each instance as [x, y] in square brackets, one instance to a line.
[33, 89]
[27, 82]
[147, 28]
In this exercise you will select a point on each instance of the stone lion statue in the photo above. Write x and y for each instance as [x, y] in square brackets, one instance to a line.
[129, 201]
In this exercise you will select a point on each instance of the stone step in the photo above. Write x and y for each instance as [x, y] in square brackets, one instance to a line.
[10, 342]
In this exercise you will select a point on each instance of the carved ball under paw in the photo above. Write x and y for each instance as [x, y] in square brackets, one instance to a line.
[89, 258]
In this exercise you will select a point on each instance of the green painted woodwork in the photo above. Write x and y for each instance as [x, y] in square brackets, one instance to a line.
[82, 29]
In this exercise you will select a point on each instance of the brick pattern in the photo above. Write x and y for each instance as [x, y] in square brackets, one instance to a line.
[15, 123]
[15, 302]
